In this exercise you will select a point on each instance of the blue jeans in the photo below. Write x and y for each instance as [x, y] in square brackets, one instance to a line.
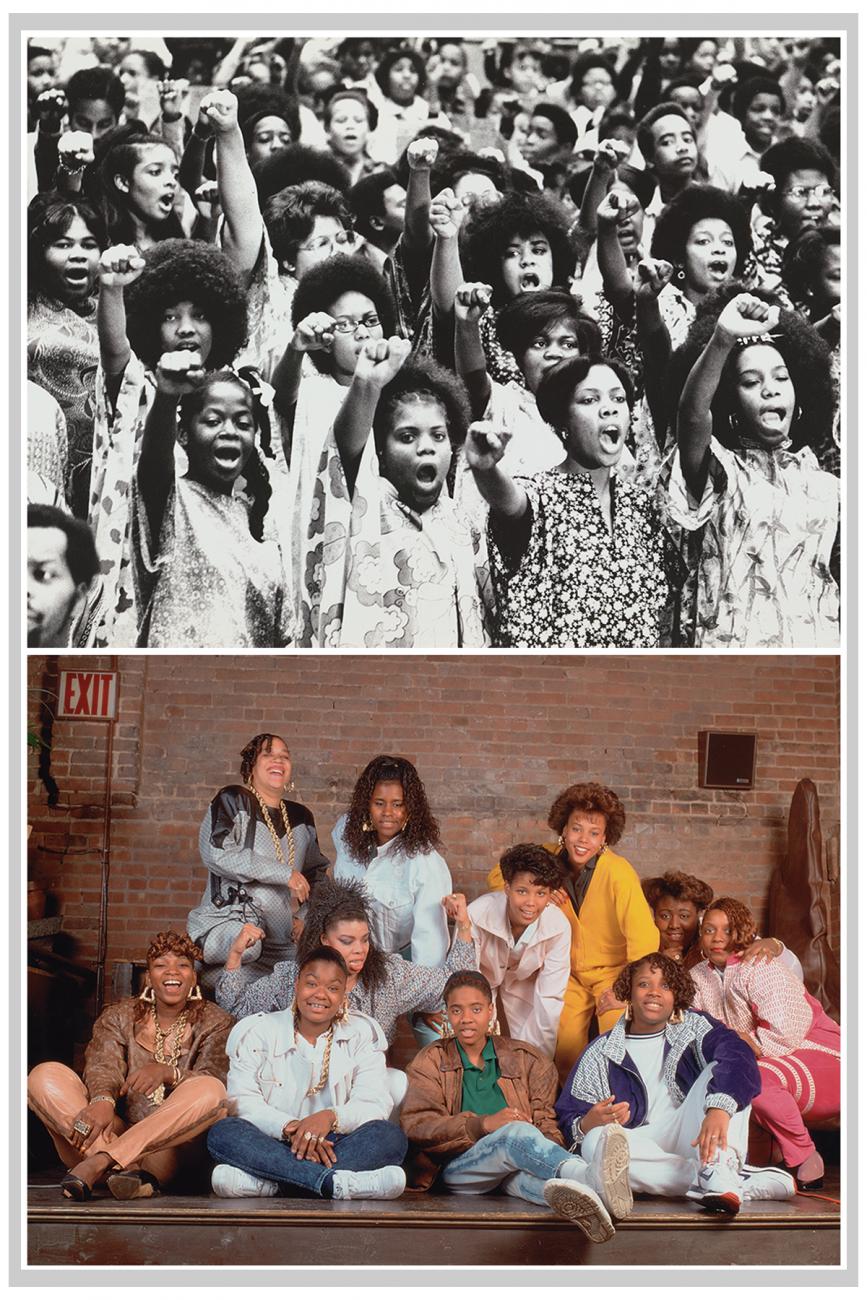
[239, 1143]
[517, 1158]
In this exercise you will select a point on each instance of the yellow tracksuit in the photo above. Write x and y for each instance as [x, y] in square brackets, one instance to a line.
[615, 926]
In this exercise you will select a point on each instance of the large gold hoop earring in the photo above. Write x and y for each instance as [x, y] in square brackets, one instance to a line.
[195, 995]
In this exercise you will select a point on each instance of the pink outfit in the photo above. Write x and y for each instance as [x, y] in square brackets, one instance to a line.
[530, 973]
[800, 1061]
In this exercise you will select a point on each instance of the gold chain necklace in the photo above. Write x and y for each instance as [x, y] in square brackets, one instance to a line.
[167, 1049]
[326, 1061]
[290, 838]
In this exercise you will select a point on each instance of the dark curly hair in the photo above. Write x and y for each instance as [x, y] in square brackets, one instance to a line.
[392, 57]
[700, 203]
[557, 388]
[187, 270]
[49, 216]
[328, 280]
[118, 153]
[330, 902]
[367, 199]
[644, 129]
[677, 979]
[489, 230]
[535, 859]
[290, 215]
[530, 314]
[181, 945]
[746, 91]
[804, 261]
[428, 380]
[793, 155]
[253, 749]
[589, 797]
[451, 166]
[421, 832]
[467, 979]
[96, 83]
[583, 64]
[740, 919]
[805, 353]
[258, 101]
[295, 165]
[255, 471]
[564, 125]
[677, 884]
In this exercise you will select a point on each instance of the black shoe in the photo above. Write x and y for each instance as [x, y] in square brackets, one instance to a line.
[75, 1188]
[131, 1184]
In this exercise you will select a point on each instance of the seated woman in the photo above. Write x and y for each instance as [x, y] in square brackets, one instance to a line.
[613, 587]
[675, 1086]
[382, 985]
[523, 945]
[154, 1076]
[311, 1101]
[479, 1116]
[797, 1044]
[262, 857]
[602, 900]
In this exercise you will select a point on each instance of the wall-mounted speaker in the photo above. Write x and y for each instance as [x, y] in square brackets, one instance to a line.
[727, 759]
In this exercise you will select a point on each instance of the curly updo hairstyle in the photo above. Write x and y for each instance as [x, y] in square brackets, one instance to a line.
[678, 885]
[333, 901]
[421, 832]
[535, 860]
[181, 945]
[743, 926]
[251, 751]
[588, 796]
[187, 270]
[677, 979]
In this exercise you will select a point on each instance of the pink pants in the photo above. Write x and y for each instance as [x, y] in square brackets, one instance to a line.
[161, 1143]
[795, 1090]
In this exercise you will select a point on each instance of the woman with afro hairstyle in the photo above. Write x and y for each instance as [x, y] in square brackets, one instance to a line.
[183, 301]
[804, 196]
[602, 900]
[262, 856]
[382, 985]
[153, 1083]
[667, 1090]
[756, 401]
[517, 246]
[389, 559]
[796, 1043]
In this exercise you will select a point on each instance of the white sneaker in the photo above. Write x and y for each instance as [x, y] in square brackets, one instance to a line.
[608, 1171]
[766, 1183]
[226, 1180]
[578, 1202]
[719, 1186]
[369, 1185]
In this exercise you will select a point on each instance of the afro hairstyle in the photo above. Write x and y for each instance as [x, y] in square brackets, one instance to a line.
[328, 280]
[296, 164]
[524, 318]
[427, 379]
[700, 203]
[489, 230]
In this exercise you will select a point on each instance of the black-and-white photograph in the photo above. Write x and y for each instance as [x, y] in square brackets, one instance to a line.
[433, 342]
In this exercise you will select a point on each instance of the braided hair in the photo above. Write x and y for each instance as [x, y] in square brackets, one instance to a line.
[330, 902]
[420, 833]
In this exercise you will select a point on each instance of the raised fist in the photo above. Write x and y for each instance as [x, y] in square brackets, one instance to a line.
[220, 109]
[471, 300]
[485, 445]
[75, 150]
[315, 333]
[745, 317]
[380, 359]
[180, 372]
[422, 154]
[119, 266]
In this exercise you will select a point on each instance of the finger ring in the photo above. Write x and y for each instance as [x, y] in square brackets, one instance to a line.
[81, 1126]
[308, 1136]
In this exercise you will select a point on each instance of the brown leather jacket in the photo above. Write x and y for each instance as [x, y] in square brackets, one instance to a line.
[114, 1051]
[431, 1114]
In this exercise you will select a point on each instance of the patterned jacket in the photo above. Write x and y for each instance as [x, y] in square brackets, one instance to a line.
[605, 1067]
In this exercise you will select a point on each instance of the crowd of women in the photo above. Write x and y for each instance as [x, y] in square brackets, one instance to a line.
[583, 1034]
[369, 342]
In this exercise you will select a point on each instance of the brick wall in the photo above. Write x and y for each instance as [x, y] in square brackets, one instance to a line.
[494, 737]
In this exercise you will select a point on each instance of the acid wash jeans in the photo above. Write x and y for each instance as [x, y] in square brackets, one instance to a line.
[517, 1158]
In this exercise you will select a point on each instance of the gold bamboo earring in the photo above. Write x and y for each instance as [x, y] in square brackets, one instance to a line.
[147, 995]
[627, 1015]
[195, 995]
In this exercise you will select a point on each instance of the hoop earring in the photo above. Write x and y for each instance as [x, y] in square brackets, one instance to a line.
[799, 412]
[290, 788]
[680, 275]
[343, 1014]
[627, 1014]
[676, 1017]
[147, 994]
[196, 994]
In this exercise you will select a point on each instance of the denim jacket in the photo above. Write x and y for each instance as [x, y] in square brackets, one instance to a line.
[605, 1067]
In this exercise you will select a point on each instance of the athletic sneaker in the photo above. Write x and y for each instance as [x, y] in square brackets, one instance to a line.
[766, 1183]
[608, 1172]
[719, 1186]
[226, 1180]
[578, 1202]
[369, 1185]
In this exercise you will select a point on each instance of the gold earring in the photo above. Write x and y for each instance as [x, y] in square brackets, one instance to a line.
[676, 1017]
[446, 1031]
[147, 994]
[627, 1015]
[343, 1014]
[366, 826]
[195, 995]
[604, 848]
[494, 1026]
[559, 841]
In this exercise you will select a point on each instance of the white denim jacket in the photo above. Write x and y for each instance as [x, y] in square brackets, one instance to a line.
[268, 1077]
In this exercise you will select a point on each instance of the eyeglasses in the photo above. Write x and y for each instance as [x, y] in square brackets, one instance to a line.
[804, 191]
[344, 325]
[327, 241]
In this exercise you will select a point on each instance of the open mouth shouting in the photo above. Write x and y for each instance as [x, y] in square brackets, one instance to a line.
[718, 269]
[611, 438]
[529, 280]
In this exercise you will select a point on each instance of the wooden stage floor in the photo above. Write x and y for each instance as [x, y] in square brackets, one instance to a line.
[416, 1230]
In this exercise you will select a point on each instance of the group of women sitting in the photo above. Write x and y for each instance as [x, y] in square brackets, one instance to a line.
[554, 363]
[701, 1023]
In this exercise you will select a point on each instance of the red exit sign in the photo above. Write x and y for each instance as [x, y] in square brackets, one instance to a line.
[88, 695]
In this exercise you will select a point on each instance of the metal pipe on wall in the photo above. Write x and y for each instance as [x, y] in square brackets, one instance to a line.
[105, 862]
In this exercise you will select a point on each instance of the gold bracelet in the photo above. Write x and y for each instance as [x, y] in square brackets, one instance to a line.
[103, 1097]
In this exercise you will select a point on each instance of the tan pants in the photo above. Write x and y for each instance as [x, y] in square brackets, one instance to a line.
[162, 1143]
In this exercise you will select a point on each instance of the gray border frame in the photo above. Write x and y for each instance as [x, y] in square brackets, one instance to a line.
[845, 1276]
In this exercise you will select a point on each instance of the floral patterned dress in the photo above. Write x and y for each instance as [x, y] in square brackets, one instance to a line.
[576, 584]
[770, 520]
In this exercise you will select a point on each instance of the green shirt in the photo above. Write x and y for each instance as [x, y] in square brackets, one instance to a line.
[481, 1092]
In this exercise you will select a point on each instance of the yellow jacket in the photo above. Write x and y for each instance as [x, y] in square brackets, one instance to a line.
[615, 924]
